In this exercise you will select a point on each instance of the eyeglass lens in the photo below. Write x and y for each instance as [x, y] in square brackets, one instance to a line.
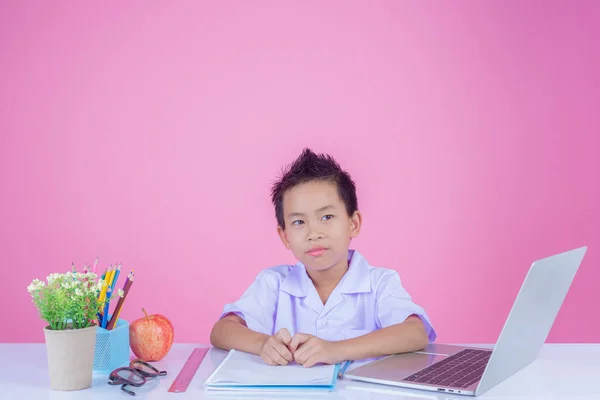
[130, 376]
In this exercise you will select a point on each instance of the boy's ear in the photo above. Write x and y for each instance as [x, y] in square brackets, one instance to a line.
[355, 224]
[283, 237]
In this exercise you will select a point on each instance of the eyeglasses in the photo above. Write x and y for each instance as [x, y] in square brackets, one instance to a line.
[136, 375]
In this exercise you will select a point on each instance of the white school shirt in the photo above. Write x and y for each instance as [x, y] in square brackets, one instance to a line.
[366, 299]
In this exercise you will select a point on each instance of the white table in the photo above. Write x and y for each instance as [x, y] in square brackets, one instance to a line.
[562, 371]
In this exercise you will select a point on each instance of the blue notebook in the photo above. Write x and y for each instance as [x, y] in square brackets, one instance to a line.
[244, 371]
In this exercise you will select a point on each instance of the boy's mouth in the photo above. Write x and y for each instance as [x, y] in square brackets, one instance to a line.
[316, 251]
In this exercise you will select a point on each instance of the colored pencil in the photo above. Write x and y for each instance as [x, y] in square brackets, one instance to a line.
[119, 307]
[105, 285]
[130, 277]
[116, 277]
[110, 276]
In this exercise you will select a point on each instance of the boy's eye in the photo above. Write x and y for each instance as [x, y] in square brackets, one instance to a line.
[327, 217]
[298, 222]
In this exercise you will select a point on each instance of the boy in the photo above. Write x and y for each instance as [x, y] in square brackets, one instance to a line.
[331, 306]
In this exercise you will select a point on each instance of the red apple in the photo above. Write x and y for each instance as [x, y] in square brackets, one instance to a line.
[151, 337]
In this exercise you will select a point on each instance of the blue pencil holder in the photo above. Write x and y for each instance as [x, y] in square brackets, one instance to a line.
[112, 347]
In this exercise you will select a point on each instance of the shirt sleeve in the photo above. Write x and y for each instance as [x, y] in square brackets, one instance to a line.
[258, 303]
[394, 305]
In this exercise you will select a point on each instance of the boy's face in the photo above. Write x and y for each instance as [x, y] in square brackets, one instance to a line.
[318, 229]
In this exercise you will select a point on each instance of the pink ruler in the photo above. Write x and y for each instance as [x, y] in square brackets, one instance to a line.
[185, 376]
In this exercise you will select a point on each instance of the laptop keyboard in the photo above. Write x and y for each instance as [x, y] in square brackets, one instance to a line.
[459, 370]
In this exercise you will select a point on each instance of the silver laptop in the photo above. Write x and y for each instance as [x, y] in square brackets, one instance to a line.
[472, 370]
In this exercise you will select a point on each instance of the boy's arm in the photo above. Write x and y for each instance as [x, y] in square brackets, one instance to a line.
[231, 332]
[247, 323]
[407, 336]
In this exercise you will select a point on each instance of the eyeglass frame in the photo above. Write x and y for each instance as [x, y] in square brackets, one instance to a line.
[114, 378]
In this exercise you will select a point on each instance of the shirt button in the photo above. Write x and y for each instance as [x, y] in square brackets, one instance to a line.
[323, 323]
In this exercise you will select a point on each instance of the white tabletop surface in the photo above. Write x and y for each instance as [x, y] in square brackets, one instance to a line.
[562, 371]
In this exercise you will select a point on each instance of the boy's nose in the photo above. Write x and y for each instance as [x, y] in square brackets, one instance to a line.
[313, 235]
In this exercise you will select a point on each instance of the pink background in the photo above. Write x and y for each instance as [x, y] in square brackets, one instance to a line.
[150, 134]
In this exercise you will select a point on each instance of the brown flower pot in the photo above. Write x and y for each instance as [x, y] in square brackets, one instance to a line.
[70, 357]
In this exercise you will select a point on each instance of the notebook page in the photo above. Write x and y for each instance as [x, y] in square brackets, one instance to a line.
[240, 368]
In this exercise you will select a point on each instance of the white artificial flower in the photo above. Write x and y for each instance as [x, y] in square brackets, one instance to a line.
[35, 285]
[121, 293]
[52, 278]
[91, 276]
[90, 289]
[78, 292]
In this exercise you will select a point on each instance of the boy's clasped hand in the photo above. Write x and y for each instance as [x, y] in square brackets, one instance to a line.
[304, 349]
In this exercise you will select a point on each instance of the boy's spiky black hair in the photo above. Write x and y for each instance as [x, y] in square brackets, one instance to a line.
[308, 167]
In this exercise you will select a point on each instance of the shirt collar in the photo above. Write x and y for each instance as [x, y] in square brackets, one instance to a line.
[355, 280]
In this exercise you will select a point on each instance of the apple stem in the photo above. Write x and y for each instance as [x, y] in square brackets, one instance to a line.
[146, 314]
